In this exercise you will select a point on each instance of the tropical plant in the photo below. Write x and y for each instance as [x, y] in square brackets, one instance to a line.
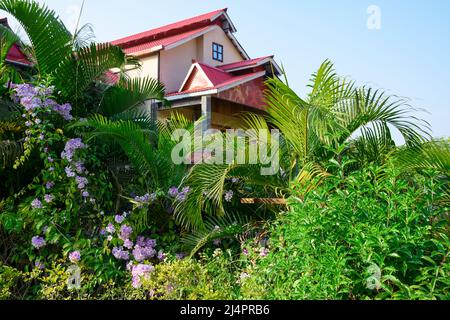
[72, 63]
[335, 119]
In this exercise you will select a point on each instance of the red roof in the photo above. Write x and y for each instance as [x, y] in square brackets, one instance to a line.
[15, 54]
[148, 46]
[217, 77]
[110, 78]
[171, 29]
[243, 64]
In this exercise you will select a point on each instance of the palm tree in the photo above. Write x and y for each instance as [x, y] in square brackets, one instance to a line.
[334, 120]
[76, 66]
[71, 63]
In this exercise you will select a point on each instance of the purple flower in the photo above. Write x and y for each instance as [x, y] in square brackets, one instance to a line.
[263, 252]
[161, 255]
[120, 254]
[70, 148]
[51, 169]
[38, 121]
[69, 172]
[64, 110]
[38, 242]
[183, 194]
[245, 252]
[129, 266]
[229, 196]
[28, 124]
[217, 242]
[30, 102]
[143, 253]
[119, 219]
[75, 256]
[49, 198]
[79, 167]
[180, 256]
[128, 244]
[36, 204]
[103, 232]
[50, 159]
[82, 182]
[141, 272]
[85, 194]
[235, 180]
[49, 185]
[39, 265]
[143, 242]
[125, 232]
[173, 192]
[110, 228]
[41, 137]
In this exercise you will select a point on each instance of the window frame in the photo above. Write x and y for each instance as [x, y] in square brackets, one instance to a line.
[217, 52]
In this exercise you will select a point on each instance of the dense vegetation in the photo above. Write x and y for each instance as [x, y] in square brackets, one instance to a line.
[88, 187]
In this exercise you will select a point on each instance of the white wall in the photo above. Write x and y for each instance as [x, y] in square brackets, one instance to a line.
[175, 64]
[149, 67]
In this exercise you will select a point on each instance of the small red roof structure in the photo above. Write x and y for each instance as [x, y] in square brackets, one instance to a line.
[202, 77]
[15, 54]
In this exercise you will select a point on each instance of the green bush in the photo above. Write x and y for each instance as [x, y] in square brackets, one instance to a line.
[370, 235]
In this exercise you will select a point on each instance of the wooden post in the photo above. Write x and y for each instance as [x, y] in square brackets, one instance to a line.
[206, 113]
[277, 201]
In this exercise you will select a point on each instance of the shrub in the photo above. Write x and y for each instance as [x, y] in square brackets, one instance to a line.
[371, 235]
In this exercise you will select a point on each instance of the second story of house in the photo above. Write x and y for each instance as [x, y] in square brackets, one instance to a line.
[170, 53]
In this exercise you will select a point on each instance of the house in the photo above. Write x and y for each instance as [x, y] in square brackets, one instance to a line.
[204, 68]
[15, 55]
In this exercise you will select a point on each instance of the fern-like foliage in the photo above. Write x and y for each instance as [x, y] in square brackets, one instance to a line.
[129, 94]
[228, 226]
[78, 70]
[149, 153]
[433, 155]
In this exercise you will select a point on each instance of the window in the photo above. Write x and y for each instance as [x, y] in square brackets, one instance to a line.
[217, 52]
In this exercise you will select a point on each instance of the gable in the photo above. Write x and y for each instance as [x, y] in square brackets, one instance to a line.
[196, 80]
[230, 52]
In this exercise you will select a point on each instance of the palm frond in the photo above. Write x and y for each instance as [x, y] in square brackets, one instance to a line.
[370, 106]
[83, 37]
[7, 40]
[228, 226]
[433, 155]
[77, 71]
[9, 152]
[129, 94]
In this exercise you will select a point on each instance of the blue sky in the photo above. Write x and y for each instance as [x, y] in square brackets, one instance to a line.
[408, 56]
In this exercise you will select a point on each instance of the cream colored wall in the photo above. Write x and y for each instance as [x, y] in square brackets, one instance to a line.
[230, 53]
[149, 68]
[175, 64]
